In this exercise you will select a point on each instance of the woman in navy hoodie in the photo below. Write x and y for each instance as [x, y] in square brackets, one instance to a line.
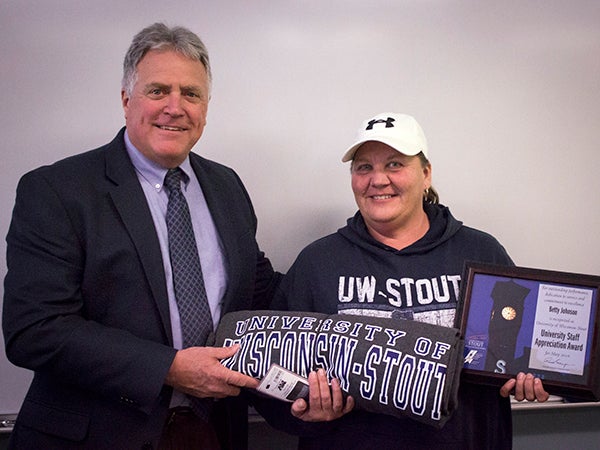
[401, 255]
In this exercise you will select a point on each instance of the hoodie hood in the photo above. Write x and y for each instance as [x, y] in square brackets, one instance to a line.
[442, 226]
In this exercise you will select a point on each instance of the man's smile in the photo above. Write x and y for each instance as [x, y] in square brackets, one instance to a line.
[169, 128]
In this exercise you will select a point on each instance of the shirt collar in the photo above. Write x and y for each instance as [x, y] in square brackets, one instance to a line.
[152, 172]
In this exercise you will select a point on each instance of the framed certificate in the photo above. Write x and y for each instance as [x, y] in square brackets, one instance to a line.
[517, 319]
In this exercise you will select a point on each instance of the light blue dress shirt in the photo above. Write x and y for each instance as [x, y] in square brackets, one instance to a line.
[210, 250]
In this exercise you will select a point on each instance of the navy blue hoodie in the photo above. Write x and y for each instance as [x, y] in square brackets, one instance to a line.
[351, 272]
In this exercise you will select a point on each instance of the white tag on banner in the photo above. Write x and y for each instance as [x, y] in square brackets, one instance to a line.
[283, 384]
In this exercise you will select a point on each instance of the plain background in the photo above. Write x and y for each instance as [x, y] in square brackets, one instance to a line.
[508, 94]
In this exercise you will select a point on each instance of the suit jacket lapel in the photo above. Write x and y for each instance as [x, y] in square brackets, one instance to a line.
[215, 195]
[130, 202]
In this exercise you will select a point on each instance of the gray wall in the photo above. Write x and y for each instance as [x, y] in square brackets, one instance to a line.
[508, 94]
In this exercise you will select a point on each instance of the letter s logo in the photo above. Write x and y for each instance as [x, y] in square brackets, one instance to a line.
[500, 366]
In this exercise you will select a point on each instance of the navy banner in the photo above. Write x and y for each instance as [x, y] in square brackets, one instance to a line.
[390, 366]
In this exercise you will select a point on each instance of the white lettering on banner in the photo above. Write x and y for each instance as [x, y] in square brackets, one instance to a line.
[385, 371]
[400, 293]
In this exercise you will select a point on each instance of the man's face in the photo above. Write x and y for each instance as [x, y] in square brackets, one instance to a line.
[166, 112]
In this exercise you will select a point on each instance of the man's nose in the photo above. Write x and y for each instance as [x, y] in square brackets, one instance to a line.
[173, 105]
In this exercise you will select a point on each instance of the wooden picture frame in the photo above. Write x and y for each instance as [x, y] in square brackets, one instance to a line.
[517, 319]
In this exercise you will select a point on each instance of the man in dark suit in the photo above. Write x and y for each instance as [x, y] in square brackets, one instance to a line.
[89, 300]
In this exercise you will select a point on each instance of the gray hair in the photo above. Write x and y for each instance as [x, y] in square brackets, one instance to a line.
[158, 36]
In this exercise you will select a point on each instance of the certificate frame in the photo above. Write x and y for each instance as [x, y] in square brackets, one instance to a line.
[519, 319]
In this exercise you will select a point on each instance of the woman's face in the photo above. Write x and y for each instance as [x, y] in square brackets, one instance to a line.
[388, 186]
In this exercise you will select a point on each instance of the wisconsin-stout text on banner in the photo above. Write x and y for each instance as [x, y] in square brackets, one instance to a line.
[391, 366]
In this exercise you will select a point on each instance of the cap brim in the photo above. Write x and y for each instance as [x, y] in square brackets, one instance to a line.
[349, 155]
[398, 146]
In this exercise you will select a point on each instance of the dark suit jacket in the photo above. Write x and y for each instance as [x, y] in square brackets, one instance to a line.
[85, 302]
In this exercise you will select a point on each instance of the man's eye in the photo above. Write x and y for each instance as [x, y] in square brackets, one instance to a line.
[362, 168]
[155, 91]
[193, 96]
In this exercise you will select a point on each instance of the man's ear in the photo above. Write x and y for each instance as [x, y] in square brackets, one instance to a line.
[124, 101]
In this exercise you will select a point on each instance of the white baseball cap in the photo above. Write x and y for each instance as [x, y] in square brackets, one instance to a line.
[399, 131]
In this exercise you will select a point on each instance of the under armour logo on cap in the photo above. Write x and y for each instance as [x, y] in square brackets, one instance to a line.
[399, 131]
[389, 122]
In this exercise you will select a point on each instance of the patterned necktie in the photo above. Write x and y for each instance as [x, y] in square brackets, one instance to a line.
[190, 294]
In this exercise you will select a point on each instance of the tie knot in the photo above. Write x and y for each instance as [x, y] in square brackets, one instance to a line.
[173, 179]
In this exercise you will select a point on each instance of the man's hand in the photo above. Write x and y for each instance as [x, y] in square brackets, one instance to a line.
[325, 403]
[198, 371]
[526, 387]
